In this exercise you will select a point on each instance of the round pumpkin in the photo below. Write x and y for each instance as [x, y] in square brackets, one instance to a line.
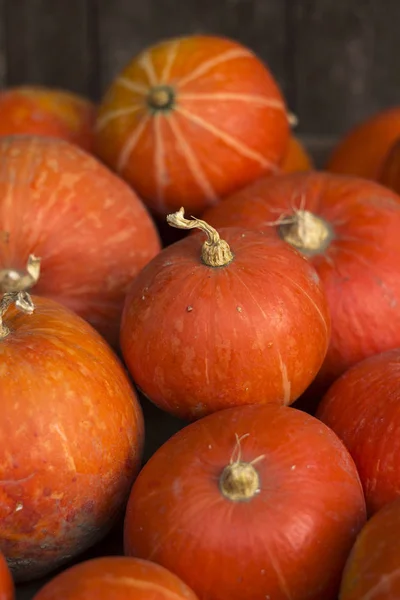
[363, 408]
[91, 231]
[390, 173]
[363, 150]
[72, 435]
[37, 110]
[373, 567]
[230, 321]
[116, 578]
[250, 502]
[348, 228]
[297, 159]
[181, 102]
[6, 583]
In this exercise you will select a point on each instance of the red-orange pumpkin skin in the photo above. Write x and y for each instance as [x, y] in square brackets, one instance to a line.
[225, 125]
[7, 591]
[35, 110]
[297, 159]
[363, 150]
[91, 231]
[73, 435]
[359, 267]
[390, 174]
[363, 408]
[197, 339]
[290, 540]
[116, 578]
[373, 567]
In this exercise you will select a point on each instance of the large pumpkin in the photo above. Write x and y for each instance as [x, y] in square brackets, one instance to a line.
[37, 110]
[373, 567]
[91, 231]
[363, 408]
[190, 120]
[116, 578]
[71, 435]
[362, 151]
[250, 502]
[348, 228]
[231, 321]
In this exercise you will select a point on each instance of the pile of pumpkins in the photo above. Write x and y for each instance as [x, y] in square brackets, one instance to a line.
[176, 244]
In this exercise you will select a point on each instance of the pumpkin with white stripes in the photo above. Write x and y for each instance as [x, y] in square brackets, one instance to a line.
[190, 120]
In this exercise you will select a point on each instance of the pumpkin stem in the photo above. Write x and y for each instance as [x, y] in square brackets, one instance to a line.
[12, 280]
[306, 232]
[215, 252]
[22, 301]
[239, 480]
[292, 119]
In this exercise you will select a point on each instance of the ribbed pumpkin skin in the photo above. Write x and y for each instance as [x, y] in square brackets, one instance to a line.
[90, 230]
[359, 268]
[226, 125]
[72, 434]
[197, 339]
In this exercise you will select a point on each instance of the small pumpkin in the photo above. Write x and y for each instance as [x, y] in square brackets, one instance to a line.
[362, 151]
[7, 591]
[40, 110]
[71, 432]
[348, 228]
[249, 502]
[390, 173]
[238, 319]
[297, 159]
[363, 408]
[373, 567]
[182, 101]
[116, 578]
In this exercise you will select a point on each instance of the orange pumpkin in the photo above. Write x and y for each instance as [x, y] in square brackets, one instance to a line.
[6, 583]
[39, 110]
[190, 120]
[116, 578]
[363, 150]
[296, 158]
[71, 435]
[91, 231]
[249, 503]
[373, 567]
[390, 173]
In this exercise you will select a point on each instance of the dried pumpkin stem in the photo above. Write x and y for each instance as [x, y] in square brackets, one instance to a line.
[306, 232]
[22, 301]
[239, 480]
[292, 119]
[12, 280]
[215, 252]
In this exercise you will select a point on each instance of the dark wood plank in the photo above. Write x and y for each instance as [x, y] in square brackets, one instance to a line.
[3, 58]
[126, 27]
[345, 61]
[49, 42]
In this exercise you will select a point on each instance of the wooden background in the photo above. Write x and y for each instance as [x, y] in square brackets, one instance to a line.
[336, 60]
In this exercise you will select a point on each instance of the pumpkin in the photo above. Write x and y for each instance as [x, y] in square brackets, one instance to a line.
[179, 103]
[348, 228]
[72, 435]
[91, 231]
[297, 158]
[373, 567]
[363, 150]
[116, 578]
[390, 173]
[363, 408]
[38, 110]
[6, 583]
[235, 320]
[249, 502]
